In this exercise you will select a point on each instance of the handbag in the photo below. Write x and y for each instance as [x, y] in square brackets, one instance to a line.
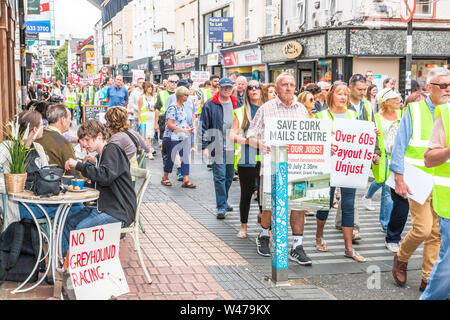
[47, 181]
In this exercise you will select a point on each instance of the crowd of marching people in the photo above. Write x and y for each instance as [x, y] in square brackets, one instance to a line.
[225, 121]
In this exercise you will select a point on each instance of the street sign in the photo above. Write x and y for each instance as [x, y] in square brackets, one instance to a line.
[220, 29]
[407, 10]
[125, 67]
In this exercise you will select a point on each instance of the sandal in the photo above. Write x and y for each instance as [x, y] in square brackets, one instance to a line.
[352, 254]
[189, 185]
[166, 183]
[321, 245]
[242, 234]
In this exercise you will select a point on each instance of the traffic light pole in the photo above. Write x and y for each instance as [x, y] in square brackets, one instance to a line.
[23, 53]
[408, 58]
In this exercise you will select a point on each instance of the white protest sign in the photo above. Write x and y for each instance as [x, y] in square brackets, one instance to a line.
[309, 159]
[199, 77]
[94, 263]
[353, 146]
[137, 74]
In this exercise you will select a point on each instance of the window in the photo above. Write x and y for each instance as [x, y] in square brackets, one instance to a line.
[183, 32]
[193, 28]
[247, 19]
[424, 7]
[269, 17]
[299, 10]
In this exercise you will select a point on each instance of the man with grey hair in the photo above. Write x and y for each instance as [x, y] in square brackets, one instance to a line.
[410, 146]
[283, 106]
[57, 148]
[117, 95]
[241, 85]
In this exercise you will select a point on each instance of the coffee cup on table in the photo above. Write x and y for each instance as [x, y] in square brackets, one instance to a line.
[78, 183]
[67, 180]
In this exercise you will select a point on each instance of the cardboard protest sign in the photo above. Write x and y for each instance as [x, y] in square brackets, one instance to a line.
[309, 160]
[94, 263]
[353, 146]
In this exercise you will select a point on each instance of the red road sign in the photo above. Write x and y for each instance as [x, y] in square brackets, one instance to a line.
[407, 10]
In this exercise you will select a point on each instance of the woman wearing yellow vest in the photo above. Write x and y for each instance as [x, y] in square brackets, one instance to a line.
[146, 115]
[246, 160]
[337, 101]
[390, 113]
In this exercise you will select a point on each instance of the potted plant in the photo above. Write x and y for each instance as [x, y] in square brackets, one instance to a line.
[18, 158]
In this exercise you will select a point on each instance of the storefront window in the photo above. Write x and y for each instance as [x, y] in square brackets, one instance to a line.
[274, 73]
[421, 68]
[324, 70]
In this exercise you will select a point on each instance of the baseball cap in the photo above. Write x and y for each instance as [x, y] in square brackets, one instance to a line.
[183, 83]
[225, 82]
[386, 94]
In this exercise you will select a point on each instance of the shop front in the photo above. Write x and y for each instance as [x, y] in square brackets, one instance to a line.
[245, 61]
[157, 69]
[213, 64]
[184, 67]
[144, 65]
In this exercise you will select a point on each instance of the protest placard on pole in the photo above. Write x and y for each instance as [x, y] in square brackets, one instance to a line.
[137, 74]
[199, 77]
[94, 264]
[353, 146]
[309, 160]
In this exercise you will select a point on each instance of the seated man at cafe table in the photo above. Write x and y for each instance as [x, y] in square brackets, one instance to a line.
[112, 177]
[56, 146]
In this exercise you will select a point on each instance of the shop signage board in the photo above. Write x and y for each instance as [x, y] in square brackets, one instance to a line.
[292, 50]
[245, 58]
[220, 29]
[213, 59]
[94, 263]
[38, 20]
[353, 148]
[308, 143]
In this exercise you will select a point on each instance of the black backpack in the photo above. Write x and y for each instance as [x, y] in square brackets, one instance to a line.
[19, 250]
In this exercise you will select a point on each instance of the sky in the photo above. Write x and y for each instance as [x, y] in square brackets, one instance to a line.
[76, 17]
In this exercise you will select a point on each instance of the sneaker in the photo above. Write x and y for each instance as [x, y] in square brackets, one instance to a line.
[392, 246]
[229, 209]
[298, 255]
[383, 230]
[262, 246]
[367, 203]
[221, 214]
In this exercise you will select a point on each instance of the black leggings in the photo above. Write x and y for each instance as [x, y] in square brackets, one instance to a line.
[247, 176]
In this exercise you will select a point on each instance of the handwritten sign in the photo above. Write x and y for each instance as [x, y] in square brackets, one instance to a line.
[309, 159]
[95, 112]
[94, 263]
[353, 146]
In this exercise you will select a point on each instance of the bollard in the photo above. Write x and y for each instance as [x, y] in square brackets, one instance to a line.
[280, 214]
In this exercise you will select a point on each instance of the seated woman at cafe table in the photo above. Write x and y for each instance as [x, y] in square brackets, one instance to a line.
[30, 121]
[112, 177]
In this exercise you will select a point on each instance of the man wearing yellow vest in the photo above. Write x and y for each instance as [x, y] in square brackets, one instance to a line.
[70, 100]
[410, 146]
[438, 157]
[91, 96]
[160, 109]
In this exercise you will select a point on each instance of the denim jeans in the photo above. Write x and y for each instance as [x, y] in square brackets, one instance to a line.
[348, 205]
[386, 201]
[399, 216]
[49, 208]
[223, 174]
[86, 218]
[438, 287]
[183, 148]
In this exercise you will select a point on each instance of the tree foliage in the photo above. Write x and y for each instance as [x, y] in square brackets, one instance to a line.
[61, 58]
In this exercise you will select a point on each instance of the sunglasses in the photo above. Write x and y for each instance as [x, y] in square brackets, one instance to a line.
[257, 87]
[441, 86]
[173, 81]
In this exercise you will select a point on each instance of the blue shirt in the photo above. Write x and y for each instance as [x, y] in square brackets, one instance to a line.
[404, 134]
[117, 97]
[189, 108]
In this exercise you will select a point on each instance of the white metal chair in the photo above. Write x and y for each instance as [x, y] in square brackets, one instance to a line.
[133, 229]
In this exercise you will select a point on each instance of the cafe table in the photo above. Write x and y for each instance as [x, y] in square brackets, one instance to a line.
[64, 201]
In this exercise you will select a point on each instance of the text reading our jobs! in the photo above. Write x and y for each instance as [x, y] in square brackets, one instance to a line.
[86, 265]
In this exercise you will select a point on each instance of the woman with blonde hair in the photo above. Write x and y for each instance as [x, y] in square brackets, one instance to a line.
[337, 102]
[146, 115]
[177, 138]
[247, 161]
[306, 98]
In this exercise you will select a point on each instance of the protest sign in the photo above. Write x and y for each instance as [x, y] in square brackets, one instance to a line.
[137, 74]
[309, 160]
[353, 146]
[94, 264]
[199, 77]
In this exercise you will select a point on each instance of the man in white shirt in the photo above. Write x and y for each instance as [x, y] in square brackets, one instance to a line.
[134, 99]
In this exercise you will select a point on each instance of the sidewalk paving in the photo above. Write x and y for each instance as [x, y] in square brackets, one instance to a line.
[186, 262]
